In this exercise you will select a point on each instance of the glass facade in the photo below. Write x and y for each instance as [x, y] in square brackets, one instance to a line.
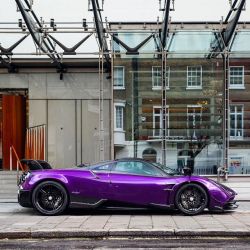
[175, 101]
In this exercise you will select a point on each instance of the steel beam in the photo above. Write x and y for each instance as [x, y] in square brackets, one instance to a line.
[101, 32]
[223, 41]
[36, 30]
[232, 21]
[11, 67]
[8, 51]
[164, 29]
[134, 50]
[72, 50]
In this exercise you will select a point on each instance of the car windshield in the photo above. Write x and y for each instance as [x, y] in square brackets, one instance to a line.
[167, 170]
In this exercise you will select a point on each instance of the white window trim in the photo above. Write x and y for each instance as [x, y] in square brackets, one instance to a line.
[235, 138]
[123, 77]
[194, 87]
[160, 87]
[122, 105]
[189, 107]
[161, 120]
[237, 86]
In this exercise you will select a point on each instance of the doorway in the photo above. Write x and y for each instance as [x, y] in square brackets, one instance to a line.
[13, 110]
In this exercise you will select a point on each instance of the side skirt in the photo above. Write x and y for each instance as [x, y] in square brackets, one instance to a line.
[162, 206]
[76, 202]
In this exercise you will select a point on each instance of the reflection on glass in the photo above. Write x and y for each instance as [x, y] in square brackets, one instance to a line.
[187, 116]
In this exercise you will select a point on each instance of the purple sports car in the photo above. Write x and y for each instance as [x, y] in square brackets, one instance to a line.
[121, 183]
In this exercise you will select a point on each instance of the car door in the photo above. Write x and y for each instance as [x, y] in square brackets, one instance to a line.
[93, 185]
[138, 182]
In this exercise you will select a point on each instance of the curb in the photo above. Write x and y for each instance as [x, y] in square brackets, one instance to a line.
[170, 233]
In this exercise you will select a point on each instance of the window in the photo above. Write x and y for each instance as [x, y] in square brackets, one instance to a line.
[194, 77]
[236, 121]
[102, 168]
[119, 77]
[138, 168]
[236, 77]
[158, 121]
[156, 77]
[119, 117]
[194, 119]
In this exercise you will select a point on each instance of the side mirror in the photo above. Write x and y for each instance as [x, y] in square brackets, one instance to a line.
[187, 171]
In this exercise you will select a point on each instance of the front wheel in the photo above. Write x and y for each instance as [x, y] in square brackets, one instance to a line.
[50, 198]
[191, 199]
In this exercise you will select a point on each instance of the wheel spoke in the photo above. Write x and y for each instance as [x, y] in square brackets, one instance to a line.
[43, 191]
[192, 199]
[50, 198]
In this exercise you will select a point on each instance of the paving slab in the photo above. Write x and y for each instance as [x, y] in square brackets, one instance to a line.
[18, 222]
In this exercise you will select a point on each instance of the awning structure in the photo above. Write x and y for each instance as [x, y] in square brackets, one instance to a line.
[62, 42]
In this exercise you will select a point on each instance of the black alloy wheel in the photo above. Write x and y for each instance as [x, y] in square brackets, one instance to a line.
[191, 199]
[50, 198]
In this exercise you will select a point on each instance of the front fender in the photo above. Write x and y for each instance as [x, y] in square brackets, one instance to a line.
[217, 196]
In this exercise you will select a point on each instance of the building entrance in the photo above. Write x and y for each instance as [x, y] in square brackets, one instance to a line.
[12, 126]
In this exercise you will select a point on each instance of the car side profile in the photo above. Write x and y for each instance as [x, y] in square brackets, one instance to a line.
[121, 183]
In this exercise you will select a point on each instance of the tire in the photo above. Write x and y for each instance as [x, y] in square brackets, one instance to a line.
[50, 198]
[191, 199]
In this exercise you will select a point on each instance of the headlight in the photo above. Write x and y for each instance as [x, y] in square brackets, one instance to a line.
[24, 177]
[223, 187]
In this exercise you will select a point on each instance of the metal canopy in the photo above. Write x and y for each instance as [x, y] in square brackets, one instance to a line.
[72, 50]
[226, 36]
[232, 20]
[8, 51]
[164, 30]
[45, 36]
[40, 38]
[130, 50]
[100, 31]
[7, 64]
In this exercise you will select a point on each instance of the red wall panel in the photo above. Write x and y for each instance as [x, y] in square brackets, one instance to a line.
[14, 125]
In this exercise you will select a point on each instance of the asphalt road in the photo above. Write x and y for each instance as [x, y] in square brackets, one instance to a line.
[127, 243]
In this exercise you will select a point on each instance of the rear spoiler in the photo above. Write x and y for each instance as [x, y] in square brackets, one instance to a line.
[36, 164]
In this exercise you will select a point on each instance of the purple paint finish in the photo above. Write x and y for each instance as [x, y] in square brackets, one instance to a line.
[136, 189]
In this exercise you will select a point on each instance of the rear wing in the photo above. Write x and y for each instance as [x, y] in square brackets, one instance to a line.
[32, 164]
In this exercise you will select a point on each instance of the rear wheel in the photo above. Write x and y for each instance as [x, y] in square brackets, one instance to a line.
[191, 199]
[50, 198]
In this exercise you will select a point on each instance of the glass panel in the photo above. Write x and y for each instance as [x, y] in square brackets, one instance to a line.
[101, 168]
[194, 76]
[119, 117]
[239, 144]
[156, 76]
[236, 76]
[188, 44]
[118, 76]
[193, 116]
[241, 45]
[132, 40]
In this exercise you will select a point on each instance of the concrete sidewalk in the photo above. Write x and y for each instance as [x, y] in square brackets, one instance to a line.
[17, 222]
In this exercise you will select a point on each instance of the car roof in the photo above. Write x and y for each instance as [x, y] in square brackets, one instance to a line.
[129, 159]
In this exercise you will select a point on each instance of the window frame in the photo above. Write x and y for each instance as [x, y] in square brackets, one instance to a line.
[163, 174]
[93, 167]
[122, 106]
[188, 77]
[161, 120]
[167, 76]
[237, 86]
[236, 113]
[189, 107]
[119, 87]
